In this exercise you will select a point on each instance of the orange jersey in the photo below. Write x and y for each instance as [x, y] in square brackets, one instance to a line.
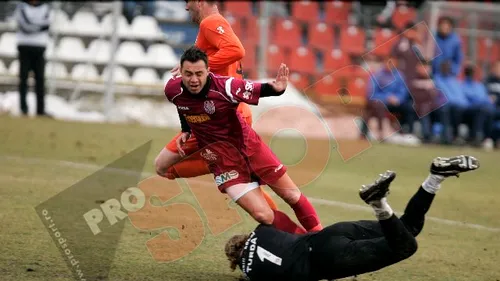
[223, 48]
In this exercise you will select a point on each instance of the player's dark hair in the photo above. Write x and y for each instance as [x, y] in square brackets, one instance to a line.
[446, 19]
[234, 249]
[194, 54]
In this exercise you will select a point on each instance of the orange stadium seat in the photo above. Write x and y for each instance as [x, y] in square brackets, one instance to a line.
[352, 40]
[337, 12]
[275, 56]
[358, 85]
[335, 60]
[402, 15]
[252, 31]
[249, 62]
[321, 36]
[303, 60]
[329, 85]
[240, 9]
[488, 49]
[307, 11]
[286, 34]
[382, 41]
[299, 81]
[465, 44]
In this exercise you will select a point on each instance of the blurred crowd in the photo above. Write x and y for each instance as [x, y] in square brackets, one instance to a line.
[434, 94]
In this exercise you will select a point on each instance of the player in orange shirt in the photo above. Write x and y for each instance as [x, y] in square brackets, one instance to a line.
[225, 51]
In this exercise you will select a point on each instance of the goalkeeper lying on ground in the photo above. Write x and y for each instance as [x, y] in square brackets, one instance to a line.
[346, 248]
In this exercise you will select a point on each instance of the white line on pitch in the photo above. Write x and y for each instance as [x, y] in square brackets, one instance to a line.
[349, 206]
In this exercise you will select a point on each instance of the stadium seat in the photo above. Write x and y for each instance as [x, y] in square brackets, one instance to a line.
[487, 50]
[352, 40]
[302, 60]
[161, 55]
[382, 41]
[14, 68]
[99, 51]
[71, 49]
[329, 84]
[240, 9]
[305, 10]
[130, 53]
[123, 26]
[275, 56]
[120, 74]
[252, 32]
[145, 76]
[299, 81]
[50, 52]
[8, 45]
[166, 76]
[172, 11]
[286, 34]
[56, 70]
[321, 36]
[358, 85]
[85, 23]
[402, 15]
[249, 62]
[335, 60]
[465, 44]
[61, 23]
[85, 72]
[3, 68]
[337, 12]
[145, 27]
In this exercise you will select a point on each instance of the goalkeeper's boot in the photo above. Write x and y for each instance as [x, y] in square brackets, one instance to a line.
[379, 189]
[453, 166]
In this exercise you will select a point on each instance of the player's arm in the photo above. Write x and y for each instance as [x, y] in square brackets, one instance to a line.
[221, 35]
[184, 124]
[239, 90]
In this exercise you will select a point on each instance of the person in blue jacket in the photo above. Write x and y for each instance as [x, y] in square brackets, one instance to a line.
[388, 92]
[450, 115]
[448, 48]
[481, 108]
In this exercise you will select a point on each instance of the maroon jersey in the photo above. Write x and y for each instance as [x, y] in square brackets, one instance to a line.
[212, 113]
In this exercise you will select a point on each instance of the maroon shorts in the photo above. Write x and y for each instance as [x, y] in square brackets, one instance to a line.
[231, 167]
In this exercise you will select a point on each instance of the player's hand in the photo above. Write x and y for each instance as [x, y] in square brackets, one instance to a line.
[281, 81]
[176, 71]
[181, 140]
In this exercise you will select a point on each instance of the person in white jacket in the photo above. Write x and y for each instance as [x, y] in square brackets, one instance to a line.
[33, 20]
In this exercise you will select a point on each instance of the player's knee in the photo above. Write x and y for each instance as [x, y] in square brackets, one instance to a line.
[265, 216]
[291, 195]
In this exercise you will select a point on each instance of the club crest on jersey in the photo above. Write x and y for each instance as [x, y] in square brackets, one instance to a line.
[220, 29]
[209, 107]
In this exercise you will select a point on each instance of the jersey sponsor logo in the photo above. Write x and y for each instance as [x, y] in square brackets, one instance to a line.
[209, 155]
[225, 177]
[251, 245]
[182, 107]
[200, 118]
[209, 107]
[248, 90]
[220, 29]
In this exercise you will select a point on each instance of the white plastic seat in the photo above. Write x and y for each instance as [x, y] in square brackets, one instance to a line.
[14, 68]
[50, 51]
[145, 27]
[123, 26]
[61, 23]
[8, 44]
[120, 75]
[3, 68]
[161, 55]
[71, 49]
[167, 75]
[85, 23]
[56, 70]
[145, 76]
[85, 72]
[172, 10]
[99, 51]
[130, 53]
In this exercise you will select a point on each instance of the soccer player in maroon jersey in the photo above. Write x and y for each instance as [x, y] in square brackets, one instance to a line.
[235, 154]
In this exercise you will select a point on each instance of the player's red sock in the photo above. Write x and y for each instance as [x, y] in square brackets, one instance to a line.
[306, 214]
[283, 222]
[188, 168]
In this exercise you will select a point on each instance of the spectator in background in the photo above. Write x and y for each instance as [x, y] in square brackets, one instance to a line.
[448, 49]
[493, 86]
[407, 52]
[480, 109]
[377, 13]
[454, 100]
[386, 93]
[33, 19]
